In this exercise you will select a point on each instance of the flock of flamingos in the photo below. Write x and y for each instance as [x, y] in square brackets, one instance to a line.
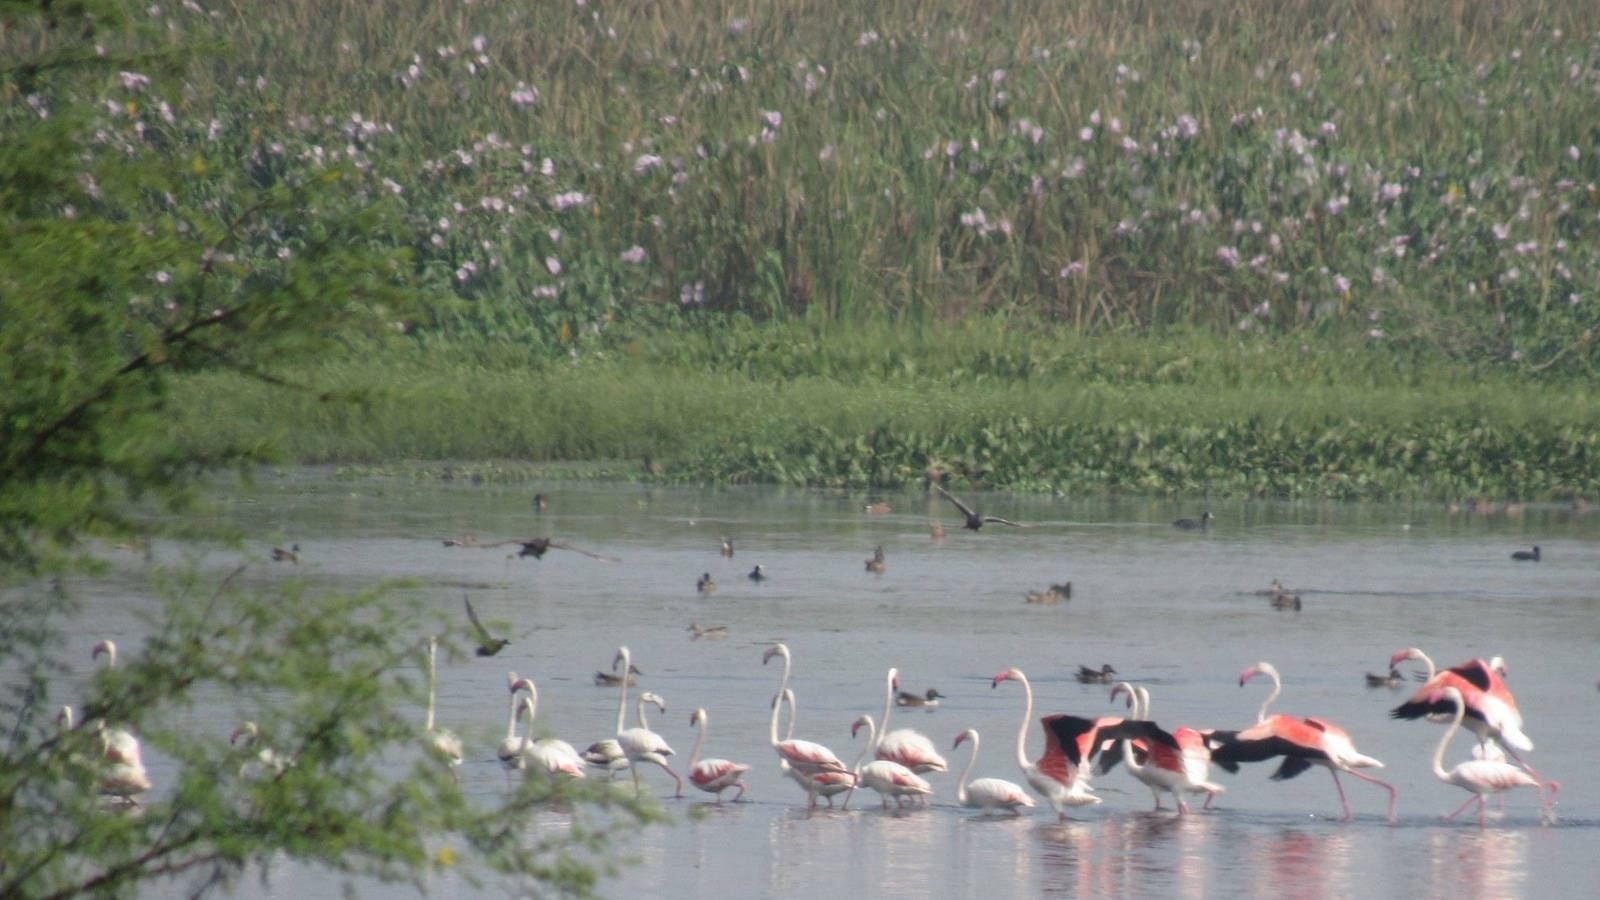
[1472, 695]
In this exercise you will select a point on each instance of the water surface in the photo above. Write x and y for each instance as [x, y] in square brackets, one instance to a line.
[1175, 611]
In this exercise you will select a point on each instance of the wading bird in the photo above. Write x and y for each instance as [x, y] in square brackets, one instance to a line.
[987, 794]
[548, 757]
[905, 746]
[887, 777]
[440, 744]
[1482, 777]
[802, 757]
[713, 775]
[1301, 742]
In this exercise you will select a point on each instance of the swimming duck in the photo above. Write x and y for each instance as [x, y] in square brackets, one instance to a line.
[727, 546]
[1101, 675]
[1189, 524]
[705, 585]
[603, 678]
[1391, 680]
[716, 631]
[291, 555]
[877, 563]
[930, 699]
[540, 504]
[974, 520]
[1529, 555]
[878, 509]
[757, 574]
[467, 540]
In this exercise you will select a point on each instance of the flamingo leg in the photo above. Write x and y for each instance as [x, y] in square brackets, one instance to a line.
[1342, 801]
[1549, 814]
[1394, 792]
[1452, 816]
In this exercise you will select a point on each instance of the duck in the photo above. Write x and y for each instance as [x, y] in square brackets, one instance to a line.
[758, 574]
[1051, 595]
[715, 631]
[878, 509]
[1285, 600]
[1529, 555]
[929, 700]
[877, 563]
[936, 531]
[705, 585]
[602, 678]
[540, 504]
[466, 540]
[291, 555]
[1102, 675]
[1391, 680]
[727, 546]
[1189, 524]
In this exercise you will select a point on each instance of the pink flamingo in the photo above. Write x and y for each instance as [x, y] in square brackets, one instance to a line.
[607, 753]
[904, 745]
[805, 757]
[888, 778]
[1177, 768]
[826, 784]
[1061, 775]
[1490, 710]
[1301, 742]
[548, 756]
[713, 775]
[510, 750]
[1482, 777]
[440, 744]
[124, 776]
[640, 744]
[987, 794]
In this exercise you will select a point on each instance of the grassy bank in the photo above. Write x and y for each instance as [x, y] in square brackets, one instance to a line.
[1236, 416]
[584, 174]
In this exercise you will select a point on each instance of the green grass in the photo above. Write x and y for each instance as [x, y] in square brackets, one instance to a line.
[1242, 416]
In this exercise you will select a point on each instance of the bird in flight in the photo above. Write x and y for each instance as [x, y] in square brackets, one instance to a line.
[974, 520]
[537, 547]
[488, 644]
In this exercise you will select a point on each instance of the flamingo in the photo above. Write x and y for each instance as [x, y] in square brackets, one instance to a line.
[805, 757]
[826, 784]
[887, 777]
[1178, 768]
[713, 775]
[607, 753]
[1302, 742]
[905, 746]
[440, 744]
[547, 756]
[1483, 776]
[1061, 776]
[266, 761]
[640, 744]
[1490, 710]
[124, 775]
[987, 794]
[510, 750]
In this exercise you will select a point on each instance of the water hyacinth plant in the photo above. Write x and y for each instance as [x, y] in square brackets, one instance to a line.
[574, 174]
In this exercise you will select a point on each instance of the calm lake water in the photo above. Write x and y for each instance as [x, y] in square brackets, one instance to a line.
[1172, 610]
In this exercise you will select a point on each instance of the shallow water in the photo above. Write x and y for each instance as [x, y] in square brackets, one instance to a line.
[1175, 611]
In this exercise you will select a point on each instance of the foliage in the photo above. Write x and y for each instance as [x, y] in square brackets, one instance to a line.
[141, 242]
[1042, 410]
[579, 176]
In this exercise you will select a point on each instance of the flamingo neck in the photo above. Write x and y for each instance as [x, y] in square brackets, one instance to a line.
[622, 700]
[961, 786]
[433, 652]
[783, 694]
[531, 704]
[1143, 705]
[1027, 716]
[888, 706]
[872, 741]
[1455, 725]
[643, 723]
[1423, 658]
[1277, 688]
[511, 718]
[694, 755]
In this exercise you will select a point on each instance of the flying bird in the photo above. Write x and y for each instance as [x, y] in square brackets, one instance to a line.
[488, 644]
[974, 520]
[537, 547]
